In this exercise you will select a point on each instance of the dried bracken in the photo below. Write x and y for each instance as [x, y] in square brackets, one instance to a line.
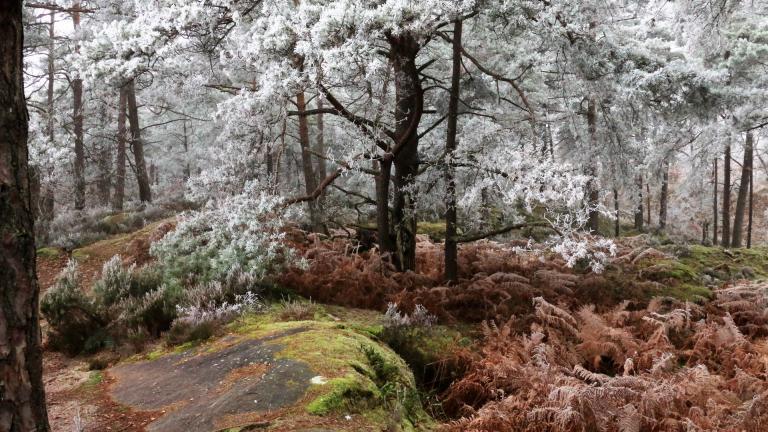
[650, 370]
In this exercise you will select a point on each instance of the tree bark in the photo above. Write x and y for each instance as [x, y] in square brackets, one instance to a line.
[119, 196]
[639, 208]
[648, 203]
[310, 182]
[409, 107]
[77, 118]
[617, 223]
[593, 223]
[137, 145]
[451, 248]
[322, 170]
[741, 198]
[715, 207]
[751, 204]
[386, 242]
[664, 195]
[726, 231]
[22, 395]
[46, 202]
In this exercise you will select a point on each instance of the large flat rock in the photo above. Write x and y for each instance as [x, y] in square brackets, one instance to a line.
[203, 391]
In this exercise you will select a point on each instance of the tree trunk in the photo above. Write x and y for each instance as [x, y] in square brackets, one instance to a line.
[77, 118]
[22, 395]
[137, 145]
[715, 207]
[639, 208]
[322, 171]
[451, 247]
[410, 103]
[104, 183]
[726, 231]
[119, 197]
[617, 223]
[648, 203]
[751, 204]
[593, 223]
[187, 169]
[310, 182]
[386, 243]
[46, 202]
[741, 198]
[664, 195]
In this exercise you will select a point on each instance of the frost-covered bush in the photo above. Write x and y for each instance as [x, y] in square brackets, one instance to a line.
[73, 316]
[244, 230]
[135, 298]
[394, 319]
[75, 228]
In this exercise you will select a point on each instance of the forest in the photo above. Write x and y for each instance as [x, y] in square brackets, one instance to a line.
[383, 215]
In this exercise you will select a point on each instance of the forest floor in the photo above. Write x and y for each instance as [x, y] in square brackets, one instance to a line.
[316, 372]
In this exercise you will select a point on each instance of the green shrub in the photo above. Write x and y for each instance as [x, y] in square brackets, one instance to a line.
[76, 324]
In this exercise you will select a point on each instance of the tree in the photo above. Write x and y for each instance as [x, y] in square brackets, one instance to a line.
[451, 247]
[22, 396]
[726, 217]
[743, 196]
[77, 118]
[137, 144]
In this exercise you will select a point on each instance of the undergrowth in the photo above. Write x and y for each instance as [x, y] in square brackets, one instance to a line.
[672, 366]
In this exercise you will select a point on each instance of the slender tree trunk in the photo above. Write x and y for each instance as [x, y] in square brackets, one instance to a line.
[77, 117]
[187, 172]
[386, 242]
[47, 201]
[715, 207]
[104, 184]
[741, 198]
[639, 208]
[751, 204]
[617, 223]
[648, 203]
[310, 182]
[137, 144]
[322, 170]
[22, 395]
[119, 196]
[593, 194]
[410, 102]
[664, 195]
[451, 247]
[726, 231]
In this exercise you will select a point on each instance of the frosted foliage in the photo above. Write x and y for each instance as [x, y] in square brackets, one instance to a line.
[242, 230]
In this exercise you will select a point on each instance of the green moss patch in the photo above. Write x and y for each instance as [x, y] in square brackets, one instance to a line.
[48, 252]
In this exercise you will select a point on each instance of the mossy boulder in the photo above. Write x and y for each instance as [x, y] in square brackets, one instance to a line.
[338, 377]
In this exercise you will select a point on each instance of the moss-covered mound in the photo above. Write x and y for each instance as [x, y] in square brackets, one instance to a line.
[339, 377]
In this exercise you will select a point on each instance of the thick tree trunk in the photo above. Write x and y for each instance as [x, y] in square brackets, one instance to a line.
[451, 246]
[77, 118]
[664, 195]
[145, 193]
[715, 207]
[119, 196]
[22, 397]
[187, 172]
[310, 182]
[593, 224]
[726, 231]
[639, 208]
[410, 103]
[741, 198]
